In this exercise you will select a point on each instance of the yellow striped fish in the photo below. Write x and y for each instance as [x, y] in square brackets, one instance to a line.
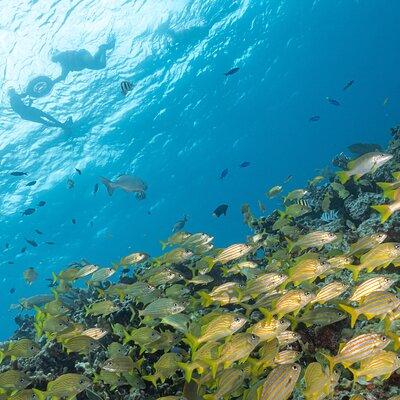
[319, 382]
[267, 330]
[382, 364]
[232, 252]
[307, 270]
[376, 304]
[287, 337]
[291, 302]
[312, 239]
[367, 243]
[329, 292]
[280, 383]
[376, 284]
[228, 382]
[218, 328]
[357, 349]
[263, 284]
[287, 357]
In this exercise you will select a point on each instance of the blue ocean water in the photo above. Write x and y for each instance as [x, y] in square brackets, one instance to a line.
[183, 122]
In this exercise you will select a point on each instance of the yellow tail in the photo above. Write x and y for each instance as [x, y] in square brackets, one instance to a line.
[151, 378]
[352, 311]
[187, 369]
[343, 176]
[192, 341]
[384, 211]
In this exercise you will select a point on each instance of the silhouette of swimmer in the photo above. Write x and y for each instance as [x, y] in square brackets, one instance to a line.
[78, 60]
[33, 114]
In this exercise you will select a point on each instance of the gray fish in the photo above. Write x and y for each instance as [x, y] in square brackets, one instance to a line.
[363, 148]
[127, 183]
[179, 225]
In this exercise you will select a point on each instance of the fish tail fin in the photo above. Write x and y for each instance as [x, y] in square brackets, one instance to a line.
[355, 374]
[55, 277]
[343, 176]
[248, 307]
[188, 369]
[290, 245]
[206, 299]
[331, 361]
[355, 270]
[164, 244]
[138, 364]
[387, 325]
[108, 184]
[213, 366]
[384, 211]
[40, 394]
[352, 311]
[38, 329]
[192, 341]
[388, 192]
[293, 322]
[267, 314]
[151, 378]
[127, 337]
[2, 356]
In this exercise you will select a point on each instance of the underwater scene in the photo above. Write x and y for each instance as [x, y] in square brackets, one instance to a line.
[199, 199]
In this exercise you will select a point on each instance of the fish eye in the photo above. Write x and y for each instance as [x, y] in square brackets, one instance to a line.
[22, 380]
[175, 304]
[282, 321]
[387, 280]
[81, 382]
[281, 276]
[295, 367]
[237, 319]
[340, 314]
[383, 338]
[307, 293]
[397, 246]
[253, 337]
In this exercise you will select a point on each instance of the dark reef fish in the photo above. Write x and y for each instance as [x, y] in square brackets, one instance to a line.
[224, 173]
[38, 232]
[126, 87]
[128, 183]
[220, 210]
[78, 171]
[32, 242]
[244, 164]
[179, 225]
[232, 71]
[314, 118]
[363, 148]
[41, 203]
[31, 183]
[348, 84]
[28, 211]
[18, 173]
[333, 101]
[96, 188]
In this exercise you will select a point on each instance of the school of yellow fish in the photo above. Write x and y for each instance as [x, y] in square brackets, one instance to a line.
[200, 322]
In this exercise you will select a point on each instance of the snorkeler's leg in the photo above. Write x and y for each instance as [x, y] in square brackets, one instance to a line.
[100, 58]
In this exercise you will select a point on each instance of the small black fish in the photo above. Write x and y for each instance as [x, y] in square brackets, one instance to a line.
[126, 87]
[91, 224]
[224, 173]
[244, 164]
[12, 290]
[220, 210]
[78, 171]
[50, 243]
[70, 184]
[32, 242]
[148, 212]
[96, 188]
[28, 211]
[125, 271]
[314, 118]
[41, 203]
[23, 250]
[288, 179]
[232, 71]
[11, 262]
[333, 101]
[73, 220]
[18, 173]
[348, 84]
[38, 232]
[7, 245]
[31, 183]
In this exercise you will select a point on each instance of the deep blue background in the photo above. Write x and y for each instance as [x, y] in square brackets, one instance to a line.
[184, 122]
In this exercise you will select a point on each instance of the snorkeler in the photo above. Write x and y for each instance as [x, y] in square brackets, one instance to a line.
[33, 114]
[78, 60]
